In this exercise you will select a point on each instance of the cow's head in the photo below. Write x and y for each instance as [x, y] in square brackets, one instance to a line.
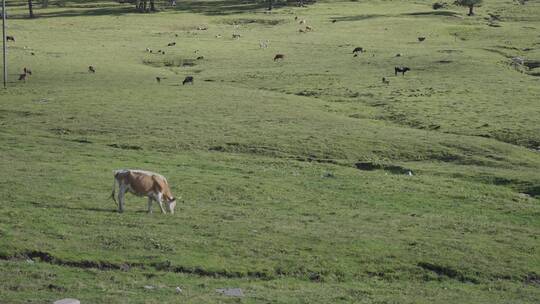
[171, 205]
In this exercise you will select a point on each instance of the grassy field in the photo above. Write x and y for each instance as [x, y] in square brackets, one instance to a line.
[265, 155]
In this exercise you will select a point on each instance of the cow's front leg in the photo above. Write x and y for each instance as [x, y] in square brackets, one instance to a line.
[121, 196]
[159, 199]
[150, 204]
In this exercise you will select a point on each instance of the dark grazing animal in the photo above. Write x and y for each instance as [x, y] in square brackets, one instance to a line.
[188, 79]
[22, 76]
[158, 79]
[358, 49]
[27, 71]
[12, 38]
[279, 56]
[91, 69]
[171, 44]
[401, 70]
[334, 21]
[385, 81]
[200, 58]
[421, 39]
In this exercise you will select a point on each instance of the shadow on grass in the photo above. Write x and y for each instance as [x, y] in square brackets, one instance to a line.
[372, 16]
[223, 7]
[79, 12]
[205, 7]
[436, 13]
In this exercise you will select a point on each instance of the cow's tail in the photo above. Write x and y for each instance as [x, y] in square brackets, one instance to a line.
[113, 194]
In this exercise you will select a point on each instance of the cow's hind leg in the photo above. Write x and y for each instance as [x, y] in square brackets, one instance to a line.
[150, 204]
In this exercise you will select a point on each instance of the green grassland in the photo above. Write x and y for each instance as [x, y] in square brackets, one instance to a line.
[263, 154]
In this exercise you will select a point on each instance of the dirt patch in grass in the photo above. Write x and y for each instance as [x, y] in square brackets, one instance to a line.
[169, 61]
[532, 64]
[125, 146]
[371, 166]
[10, 113]
[255, 21]
[446, 271]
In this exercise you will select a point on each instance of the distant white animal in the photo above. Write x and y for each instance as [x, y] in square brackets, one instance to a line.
[143, 183]
[263, 44]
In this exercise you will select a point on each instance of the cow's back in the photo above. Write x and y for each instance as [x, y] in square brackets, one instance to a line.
[142, 182]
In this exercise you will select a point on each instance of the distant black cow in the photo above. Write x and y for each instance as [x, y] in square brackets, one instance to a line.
[12, 38]
[279, 56]
[421, 39]
[401, 70]
[188, 79]
[200, 58]
[91, 69]
[334, 21]
[171, 44]
[158, 79]
[22, 76]
[358, 50]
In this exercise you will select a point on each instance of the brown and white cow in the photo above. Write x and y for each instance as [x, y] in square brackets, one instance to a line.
[143, 183]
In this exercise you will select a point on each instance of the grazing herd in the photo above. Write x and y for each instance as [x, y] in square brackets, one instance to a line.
[263, 44]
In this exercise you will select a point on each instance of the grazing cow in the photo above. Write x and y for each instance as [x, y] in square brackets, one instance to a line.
[200, 58]
[309, 28]
[279, 56]
[22, 76]
[188, 79]
[301, 30]
[295, 17]
[401, 70]
[171, 44]
[91, 69]
[302, 21]
[334, 21]
[143, 183]
[358, 50]
[27, 71]
[399, 55]
[236, 36]
[12, 38]
[385, 81]
[421, 39]
[158, 79]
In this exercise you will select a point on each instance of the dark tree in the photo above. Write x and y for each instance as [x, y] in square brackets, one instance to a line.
[470, 4]
[30, 9]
